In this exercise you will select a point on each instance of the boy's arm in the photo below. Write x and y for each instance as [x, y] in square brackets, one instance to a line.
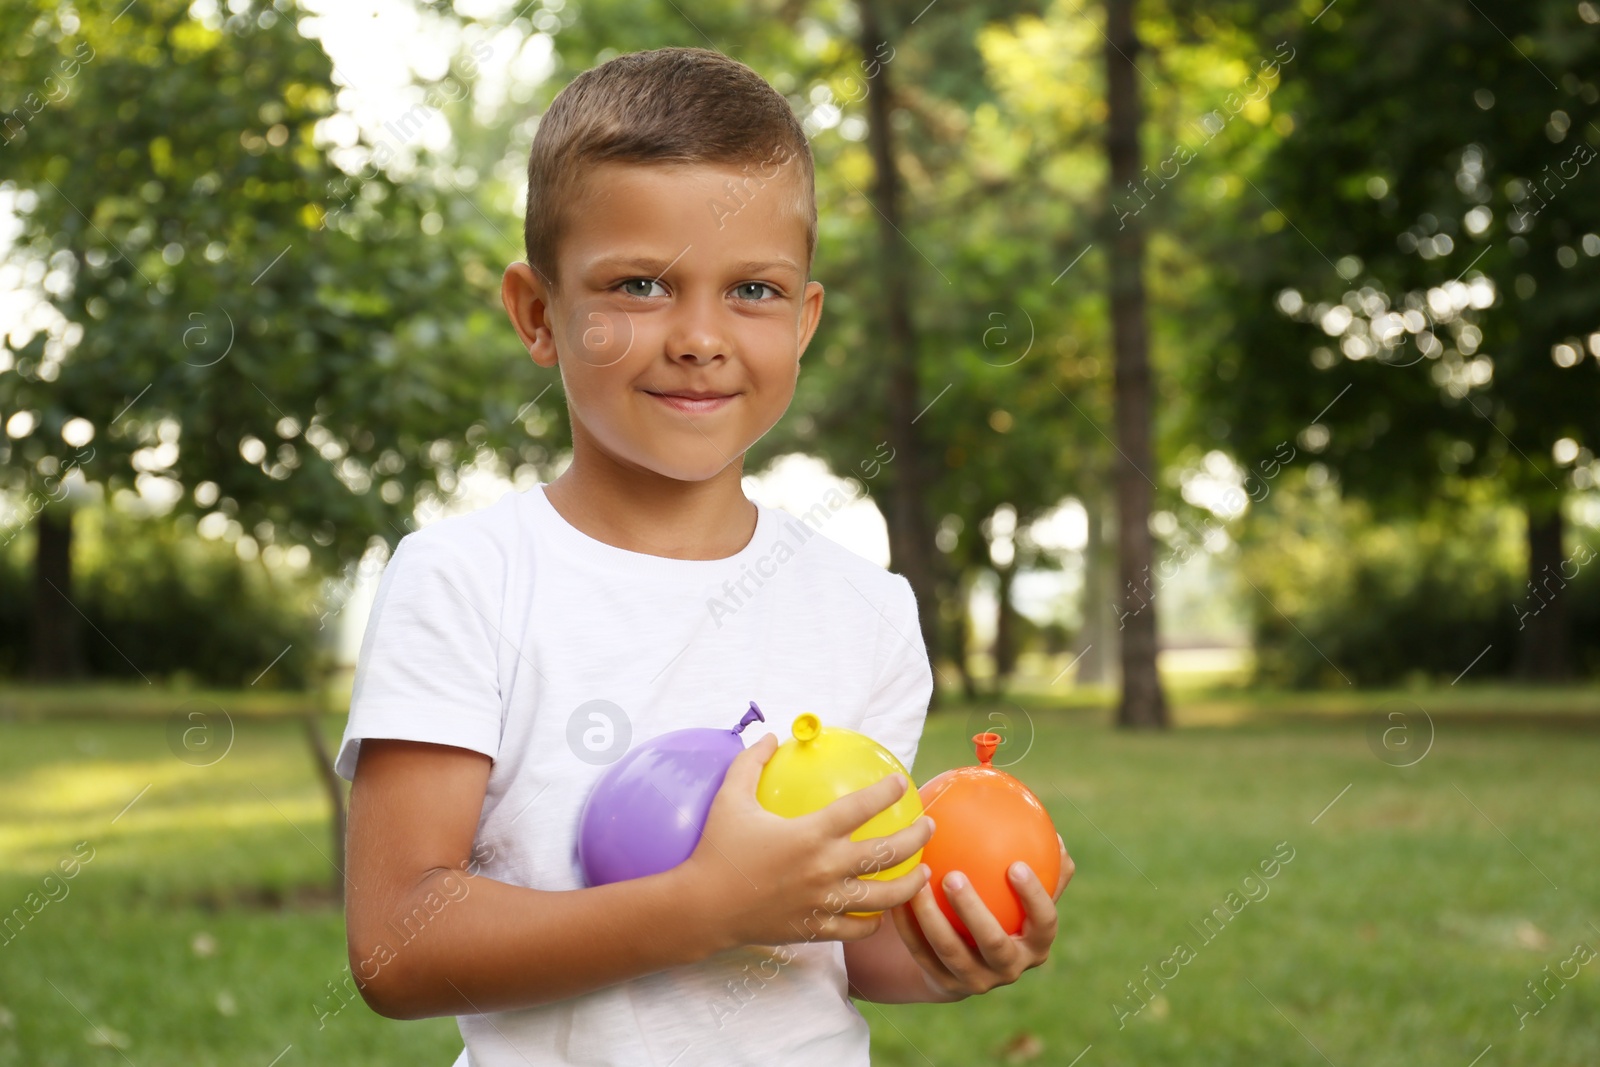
[919, 958]
[880, 969]
[427, 938]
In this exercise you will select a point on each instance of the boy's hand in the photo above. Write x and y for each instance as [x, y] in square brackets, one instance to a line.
[758, 878]
[952, 968]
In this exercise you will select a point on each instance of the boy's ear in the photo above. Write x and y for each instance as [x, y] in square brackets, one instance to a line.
[526, 297]
[810, 315]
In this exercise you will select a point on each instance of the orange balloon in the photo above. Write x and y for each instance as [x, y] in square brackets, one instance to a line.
[986, 820]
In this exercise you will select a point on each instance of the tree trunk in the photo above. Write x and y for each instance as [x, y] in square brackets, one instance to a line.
[1005, 630]
[911, 544]
[333, 785]
[1143, 702]
[1096, 647]
[1544, 653]
[57, 653]
[961, 637]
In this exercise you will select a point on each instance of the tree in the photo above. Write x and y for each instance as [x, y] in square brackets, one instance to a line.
[910, 535]
[1000, 353]
[1417, 291]
[1143, 703]
[248, 321]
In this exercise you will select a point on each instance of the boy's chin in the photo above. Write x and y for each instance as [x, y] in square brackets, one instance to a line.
[661, 461]
[686, 472]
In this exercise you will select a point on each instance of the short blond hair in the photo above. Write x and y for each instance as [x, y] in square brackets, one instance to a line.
[666, 105]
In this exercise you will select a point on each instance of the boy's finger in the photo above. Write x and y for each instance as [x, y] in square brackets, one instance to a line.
[857, 915]
[916, 943]
[1068, 867]
[953, 953]
[823, 925]
[846, 927]
[875, 854]
[745, 770]
[991, 939]
[847, 814]
[883, 894]
[1038, 907]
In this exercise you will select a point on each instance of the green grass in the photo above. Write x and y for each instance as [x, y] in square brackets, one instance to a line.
[127, 700]
[1403, 931]
[169, 936]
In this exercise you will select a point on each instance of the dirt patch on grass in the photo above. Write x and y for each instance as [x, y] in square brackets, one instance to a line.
[297, 898]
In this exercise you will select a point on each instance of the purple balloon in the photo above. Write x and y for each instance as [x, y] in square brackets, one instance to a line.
[647, 811]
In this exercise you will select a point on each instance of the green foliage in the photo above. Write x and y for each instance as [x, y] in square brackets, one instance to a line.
[251, 318]
[1426, 236]
[1402, 600]
[159, 601]
[995, 204]
[369, 362]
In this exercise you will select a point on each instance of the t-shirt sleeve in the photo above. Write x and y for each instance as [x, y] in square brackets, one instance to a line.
[427, 670]
[904, 685]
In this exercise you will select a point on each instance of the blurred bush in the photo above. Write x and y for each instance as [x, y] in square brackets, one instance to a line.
[175, 604]
[1391, 601]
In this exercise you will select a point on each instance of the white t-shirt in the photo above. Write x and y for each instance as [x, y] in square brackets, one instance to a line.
[510, 632]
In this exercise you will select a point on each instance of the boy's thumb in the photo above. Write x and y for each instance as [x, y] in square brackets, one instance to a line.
[745, 771]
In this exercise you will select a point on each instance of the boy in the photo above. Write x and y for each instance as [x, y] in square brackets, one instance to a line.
[514, 653]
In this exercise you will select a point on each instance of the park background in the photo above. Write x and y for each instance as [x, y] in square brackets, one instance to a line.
[1225, 377]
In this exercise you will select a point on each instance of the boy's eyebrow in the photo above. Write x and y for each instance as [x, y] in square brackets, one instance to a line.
[654, 267]
[754, 266]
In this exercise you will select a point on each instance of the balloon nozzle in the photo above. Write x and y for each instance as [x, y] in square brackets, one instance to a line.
[753, 715]
[985, 744]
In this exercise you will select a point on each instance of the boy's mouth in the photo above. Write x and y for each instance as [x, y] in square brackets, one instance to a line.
[693, 401]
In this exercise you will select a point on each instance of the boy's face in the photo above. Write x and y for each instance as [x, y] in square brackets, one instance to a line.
[669, 286]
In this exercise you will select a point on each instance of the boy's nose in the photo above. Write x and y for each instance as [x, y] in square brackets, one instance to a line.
[697, 335]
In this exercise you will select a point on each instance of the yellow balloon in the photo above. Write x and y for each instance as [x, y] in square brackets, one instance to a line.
[824, 763]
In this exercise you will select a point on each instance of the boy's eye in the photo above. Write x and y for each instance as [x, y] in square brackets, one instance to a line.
[626, 286]
[742, 290]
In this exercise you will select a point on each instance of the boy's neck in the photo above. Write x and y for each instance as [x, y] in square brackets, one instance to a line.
[642, 511]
